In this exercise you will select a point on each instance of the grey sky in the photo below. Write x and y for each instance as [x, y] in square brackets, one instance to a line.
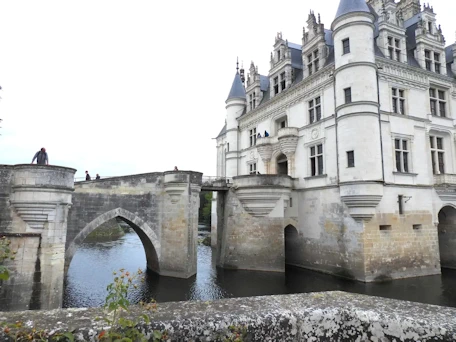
[121, 87]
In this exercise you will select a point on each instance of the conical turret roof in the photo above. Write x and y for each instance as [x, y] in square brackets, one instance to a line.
[237, 89]
[350, 6]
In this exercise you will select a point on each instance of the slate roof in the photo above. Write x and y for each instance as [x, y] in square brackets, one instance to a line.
[222, 132]
[237, 89]
[449, 59]
[350, 6]
[345, 7]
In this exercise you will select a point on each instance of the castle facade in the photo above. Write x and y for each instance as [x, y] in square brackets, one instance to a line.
[356, 175]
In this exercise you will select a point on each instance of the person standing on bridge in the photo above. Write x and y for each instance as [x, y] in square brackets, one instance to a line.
[98, 176]
[88, 176]
[175, 168]
[41, 157]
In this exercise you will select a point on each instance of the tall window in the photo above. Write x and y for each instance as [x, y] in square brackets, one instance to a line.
[346, 46]
[315, 110]
[254, 101]
[276, 85]
[437, 62]
[427, 58]
[351, 159]
[282, 81]
[398, 101]
[394, 48]
[316, 160]
[401, 147]
[313, 62]
[253, 136]
[251, 101]
[437, 100]
[437, 155]
[348, 95]
[253, 168]
[430, 26]
[281, 123]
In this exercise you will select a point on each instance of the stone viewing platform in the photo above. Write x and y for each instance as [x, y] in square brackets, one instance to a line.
[325, 316]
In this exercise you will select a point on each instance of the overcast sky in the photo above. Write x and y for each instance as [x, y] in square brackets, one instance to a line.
[122, 87]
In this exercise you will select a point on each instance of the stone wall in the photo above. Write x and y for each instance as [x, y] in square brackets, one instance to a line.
[329, 239]
[250, 230]
[331, 316]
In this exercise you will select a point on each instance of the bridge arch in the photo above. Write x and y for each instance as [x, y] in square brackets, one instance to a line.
[291, 245]
[447, 236]
[149, 239]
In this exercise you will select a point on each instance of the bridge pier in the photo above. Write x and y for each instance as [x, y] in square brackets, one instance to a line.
[34, 218]
[180, 225]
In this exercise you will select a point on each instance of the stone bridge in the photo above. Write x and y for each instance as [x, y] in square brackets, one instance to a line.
[47, 217]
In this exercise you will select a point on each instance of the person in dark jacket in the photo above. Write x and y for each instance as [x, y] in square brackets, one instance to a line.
[88, 176]
[98, 176]
[41, 157]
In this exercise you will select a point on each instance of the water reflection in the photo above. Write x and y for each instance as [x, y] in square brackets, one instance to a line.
[92, 266]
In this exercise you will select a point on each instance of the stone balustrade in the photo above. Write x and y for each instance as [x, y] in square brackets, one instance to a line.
[326, 316]
[444, 178]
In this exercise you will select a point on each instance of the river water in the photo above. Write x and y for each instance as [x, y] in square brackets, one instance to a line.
[92, 266]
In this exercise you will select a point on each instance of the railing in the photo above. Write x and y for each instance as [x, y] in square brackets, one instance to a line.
[82, 179]
[211, 181]
[444, 178]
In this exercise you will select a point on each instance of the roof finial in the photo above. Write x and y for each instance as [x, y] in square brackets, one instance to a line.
[237, 64]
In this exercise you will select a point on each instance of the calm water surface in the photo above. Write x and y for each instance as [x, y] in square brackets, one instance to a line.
[92, 266]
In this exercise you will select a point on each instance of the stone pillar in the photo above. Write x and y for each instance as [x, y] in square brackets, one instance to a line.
[180, 224]
[41, 197]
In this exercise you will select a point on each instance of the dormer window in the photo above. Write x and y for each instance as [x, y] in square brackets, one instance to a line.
[437, 62]
[278, 55]
[312, 62]
[394, 48]
[252, 101]
[432, 60]
[430, 26]
[282, 81]
[427, 57]
[276, 85]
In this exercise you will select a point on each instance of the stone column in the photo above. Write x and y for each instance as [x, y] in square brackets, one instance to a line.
[41, 197]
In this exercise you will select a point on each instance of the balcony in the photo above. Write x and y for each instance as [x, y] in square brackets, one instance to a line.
[288, 140]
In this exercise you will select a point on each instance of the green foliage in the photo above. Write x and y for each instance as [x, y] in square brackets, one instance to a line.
[207, 207]
[18, 332]
[235, 334]
[117, 303]
[5, 254]
[121, 328]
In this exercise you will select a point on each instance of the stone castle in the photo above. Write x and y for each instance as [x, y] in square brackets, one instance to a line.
[356, 176]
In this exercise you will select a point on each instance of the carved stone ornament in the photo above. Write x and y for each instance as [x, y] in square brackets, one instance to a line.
[175, 190]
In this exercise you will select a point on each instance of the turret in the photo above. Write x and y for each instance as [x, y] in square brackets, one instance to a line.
[235, 106]
[357, 107]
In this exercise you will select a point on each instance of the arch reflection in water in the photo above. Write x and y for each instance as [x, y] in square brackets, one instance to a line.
[91, 271]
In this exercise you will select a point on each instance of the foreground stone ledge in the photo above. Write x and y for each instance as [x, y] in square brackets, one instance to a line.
[328, 316]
